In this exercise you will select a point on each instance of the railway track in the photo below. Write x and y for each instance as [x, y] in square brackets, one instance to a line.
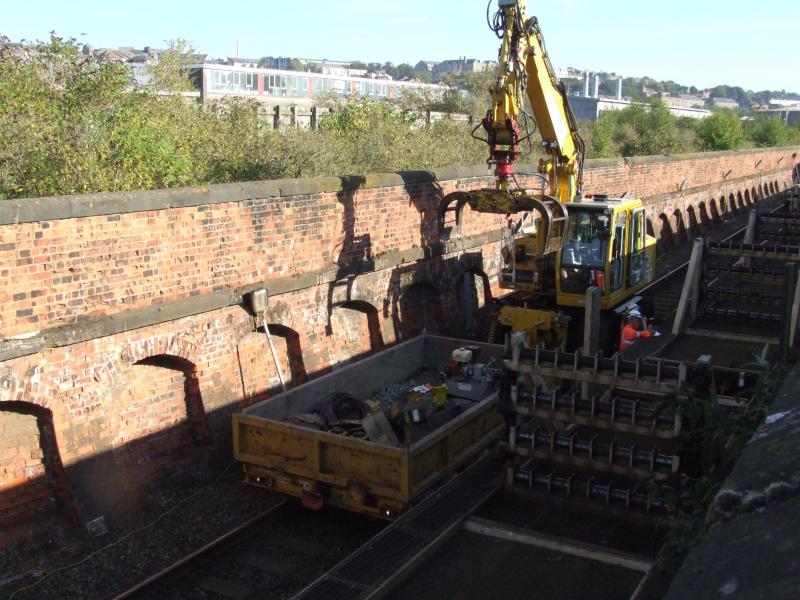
[666, 289]
[273, 555]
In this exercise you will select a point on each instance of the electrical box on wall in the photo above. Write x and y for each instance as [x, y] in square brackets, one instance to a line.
[258, 300]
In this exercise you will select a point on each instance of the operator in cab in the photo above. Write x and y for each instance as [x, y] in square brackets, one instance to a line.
[635, 329]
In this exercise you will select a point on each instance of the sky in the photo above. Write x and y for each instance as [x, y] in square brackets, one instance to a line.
[699, 42]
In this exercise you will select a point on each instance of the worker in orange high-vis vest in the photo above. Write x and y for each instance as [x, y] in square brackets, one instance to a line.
[633, 330]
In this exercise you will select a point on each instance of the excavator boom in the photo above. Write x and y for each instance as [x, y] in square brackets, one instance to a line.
[525, 70]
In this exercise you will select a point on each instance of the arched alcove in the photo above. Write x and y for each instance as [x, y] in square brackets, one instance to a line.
[355, 329]
[32, 478]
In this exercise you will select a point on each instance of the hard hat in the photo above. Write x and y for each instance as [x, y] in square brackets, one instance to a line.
[635, 313]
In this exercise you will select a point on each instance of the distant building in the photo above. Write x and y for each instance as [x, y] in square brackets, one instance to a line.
[285, 88]
[781, 103]
[139, 60]
[789, 114]
[722, 103]
[275, 62]
[426, 65]
[383, 75]
[569, 73]
[461, 66]
[339, 71]
[242, 62]
[676, 100]
[14, 48]
[590, 108]
[113, 55]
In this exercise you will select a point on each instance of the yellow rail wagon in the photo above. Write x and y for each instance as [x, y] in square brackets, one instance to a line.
[284, 445]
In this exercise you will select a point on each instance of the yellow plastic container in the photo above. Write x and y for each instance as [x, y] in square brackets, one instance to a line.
[440, 395]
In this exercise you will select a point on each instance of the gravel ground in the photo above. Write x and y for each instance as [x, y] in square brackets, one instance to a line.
[181, 515]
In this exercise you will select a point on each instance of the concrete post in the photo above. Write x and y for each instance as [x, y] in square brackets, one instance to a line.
[795, 315]
[790, 273]
[689, 293]
[749, 236]
[591, 329]
[597, 86]
[276, 117]
[586, 84]
[619, 89]
[591, 323]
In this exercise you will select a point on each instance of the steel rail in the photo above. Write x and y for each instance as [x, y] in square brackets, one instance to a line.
[683, 266]
[163, 573]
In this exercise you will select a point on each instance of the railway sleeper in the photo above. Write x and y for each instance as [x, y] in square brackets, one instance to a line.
[760, 294]
[560, 481]
[591, 451]
[760, 317]
[754, 274]
[778, 237]
[649, 375]
[755, 250]
[602, 411]
[781, 218]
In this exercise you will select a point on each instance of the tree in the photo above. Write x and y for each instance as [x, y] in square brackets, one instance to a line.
[770, 131]
[422, 72]
[296, 65]
[424, 76]
[405, 70]
[721, 131]
[648, 129]
[608, 87]
[478, 99]
[169, 72]
[631, 88]
[69, 124]
[732, 92]
[602, 135]
[572, 84]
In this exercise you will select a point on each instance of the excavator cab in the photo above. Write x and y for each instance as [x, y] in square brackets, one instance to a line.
[606, 246]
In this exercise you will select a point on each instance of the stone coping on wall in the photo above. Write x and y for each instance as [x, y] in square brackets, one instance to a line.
[733, 183]
[31, 210]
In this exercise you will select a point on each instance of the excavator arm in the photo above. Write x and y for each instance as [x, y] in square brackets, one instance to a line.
[525, 69]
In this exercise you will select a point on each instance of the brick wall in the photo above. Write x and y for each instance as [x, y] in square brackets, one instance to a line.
[96, 290]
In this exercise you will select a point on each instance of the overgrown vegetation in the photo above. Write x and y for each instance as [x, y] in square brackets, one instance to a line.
[72, 125]
[652, 129]
[726, 433]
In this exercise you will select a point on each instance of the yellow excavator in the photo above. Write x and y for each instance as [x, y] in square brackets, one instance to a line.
[564, 242]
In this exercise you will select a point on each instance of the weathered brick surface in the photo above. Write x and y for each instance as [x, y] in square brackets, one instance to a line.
[23, 480]
[157, 395]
